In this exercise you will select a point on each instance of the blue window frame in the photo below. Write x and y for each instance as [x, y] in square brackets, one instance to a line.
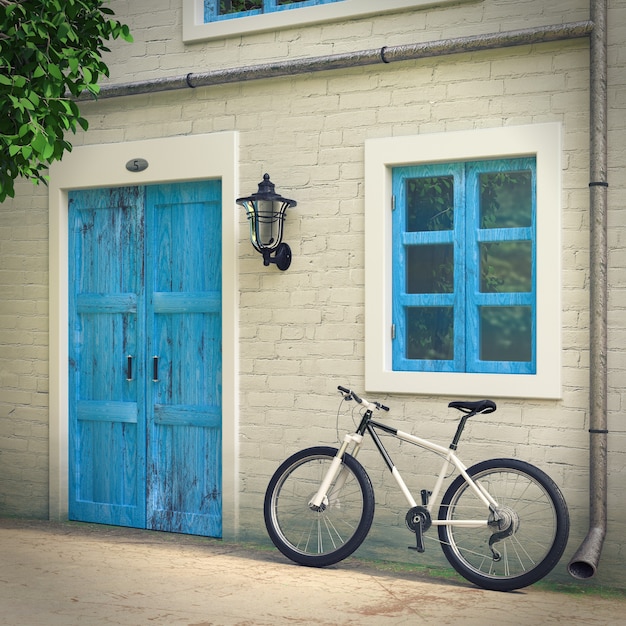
[464, 267]
[215, 10]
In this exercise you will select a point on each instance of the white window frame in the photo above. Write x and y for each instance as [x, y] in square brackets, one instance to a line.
[195, 29]
[381, 155]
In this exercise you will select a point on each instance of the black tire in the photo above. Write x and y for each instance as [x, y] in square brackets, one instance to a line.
[318, 538]
[538, 526]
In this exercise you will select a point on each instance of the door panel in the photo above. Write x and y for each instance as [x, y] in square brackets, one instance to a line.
[184, 419]
[145, 281]
[107, 449]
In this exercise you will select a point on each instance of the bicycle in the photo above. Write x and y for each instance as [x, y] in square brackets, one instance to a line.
[503, 524]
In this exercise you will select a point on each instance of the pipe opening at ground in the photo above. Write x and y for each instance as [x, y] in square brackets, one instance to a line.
[581, 570]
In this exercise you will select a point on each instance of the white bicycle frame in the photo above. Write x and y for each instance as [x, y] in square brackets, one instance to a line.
[450, 458]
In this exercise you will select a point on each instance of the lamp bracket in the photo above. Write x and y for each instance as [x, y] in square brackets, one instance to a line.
[282, 257]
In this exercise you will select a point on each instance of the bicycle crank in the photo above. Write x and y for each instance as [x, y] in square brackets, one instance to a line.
[418, 520]
[507, 522]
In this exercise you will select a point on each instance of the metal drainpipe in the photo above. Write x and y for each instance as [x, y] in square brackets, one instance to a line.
[585, 561]
[386, 54]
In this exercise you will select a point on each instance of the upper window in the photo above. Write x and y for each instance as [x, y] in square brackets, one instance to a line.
[464, 267]
[226, 9]
[213, 19]
[463, 263]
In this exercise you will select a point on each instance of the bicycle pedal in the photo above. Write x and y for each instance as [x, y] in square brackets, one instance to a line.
[416, 549]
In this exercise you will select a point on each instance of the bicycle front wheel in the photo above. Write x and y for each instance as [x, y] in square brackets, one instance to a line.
[521, 541]
[324, 537]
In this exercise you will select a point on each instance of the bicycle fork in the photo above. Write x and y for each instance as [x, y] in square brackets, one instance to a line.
[320, 499]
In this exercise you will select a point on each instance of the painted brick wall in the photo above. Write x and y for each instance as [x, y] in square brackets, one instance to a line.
[24, 353]
[301, 332]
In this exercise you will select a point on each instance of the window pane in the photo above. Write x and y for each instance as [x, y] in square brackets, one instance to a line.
[506, 199]
[236, 6]
[505, 333]
[505, 267]
[228, 7]
[430, 333]
[430, 268]
[430, 204]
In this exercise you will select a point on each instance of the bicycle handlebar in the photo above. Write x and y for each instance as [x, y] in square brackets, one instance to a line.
[348, 394]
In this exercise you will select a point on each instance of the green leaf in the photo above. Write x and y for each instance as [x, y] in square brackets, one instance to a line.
[54, 71]
[39, 142]
[47, 152]
[62, 31]
[34, 98]
[74, 65]
[27, 104]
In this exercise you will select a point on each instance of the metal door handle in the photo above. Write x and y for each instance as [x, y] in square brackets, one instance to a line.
[129, 368]
[155, 369]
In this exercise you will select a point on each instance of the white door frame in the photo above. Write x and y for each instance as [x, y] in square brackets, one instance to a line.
[173, 159]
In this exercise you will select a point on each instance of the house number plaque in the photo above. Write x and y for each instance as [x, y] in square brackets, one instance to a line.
[137, 165]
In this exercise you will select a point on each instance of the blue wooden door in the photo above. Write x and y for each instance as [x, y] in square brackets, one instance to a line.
[183, 277]
[107, 323]
[145, 357]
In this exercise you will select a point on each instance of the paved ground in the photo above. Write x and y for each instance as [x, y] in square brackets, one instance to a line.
[70, 574]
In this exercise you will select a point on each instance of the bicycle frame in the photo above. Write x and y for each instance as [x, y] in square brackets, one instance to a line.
[450, 458]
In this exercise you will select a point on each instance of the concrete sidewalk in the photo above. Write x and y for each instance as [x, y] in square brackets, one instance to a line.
[66, 574]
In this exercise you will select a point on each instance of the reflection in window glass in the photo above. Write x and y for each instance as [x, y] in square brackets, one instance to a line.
[506, 266]
[430, 269]
[506, 199]
[430, 333]
[236, 6]
[430, 203]
[216, 8]
[505, 333]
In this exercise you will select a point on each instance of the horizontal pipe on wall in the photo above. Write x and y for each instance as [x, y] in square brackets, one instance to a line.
[387, 54]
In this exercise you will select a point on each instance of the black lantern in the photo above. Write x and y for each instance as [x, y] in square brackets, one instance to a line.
[266, 213]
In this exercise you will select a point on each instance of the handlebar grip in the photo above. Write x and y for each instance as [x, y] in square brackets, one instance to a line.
[351, 393]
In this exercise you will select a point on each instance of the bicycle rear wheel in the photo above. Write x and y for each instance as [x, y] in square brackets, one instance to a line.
[525, 538]
[324, 537]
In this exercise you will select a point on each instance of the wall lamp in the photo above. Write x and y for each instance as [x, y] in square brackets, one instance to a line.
[266, 213]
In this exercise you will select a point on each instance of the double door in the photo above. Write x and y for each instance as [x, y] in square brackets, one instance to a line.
[145, 418]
